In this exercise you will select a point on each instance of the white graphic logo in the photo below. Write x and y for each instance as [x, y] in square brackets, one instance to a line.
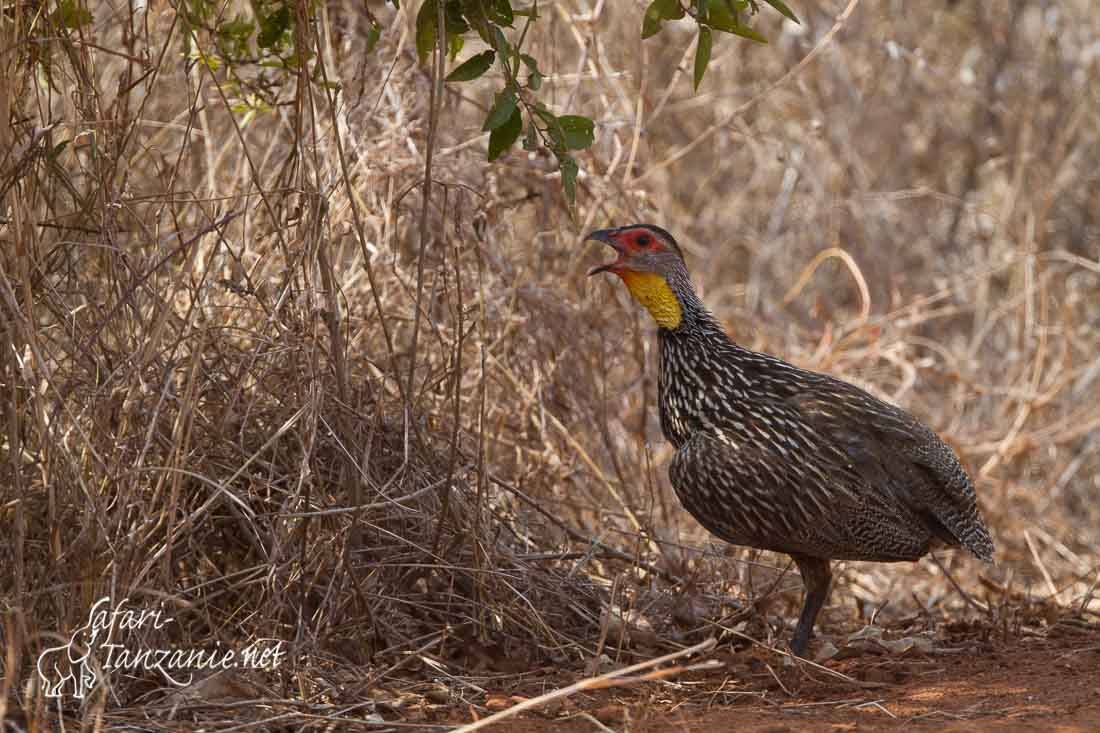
[99, 647]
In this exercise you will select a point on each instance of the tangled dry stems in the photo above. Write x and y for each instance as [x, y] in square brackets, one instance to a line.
[214, 398]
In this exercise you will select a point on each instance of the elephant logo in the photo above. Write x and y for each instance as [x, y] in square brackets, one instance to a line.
[70, 668]
[98, 648]
[65, 670]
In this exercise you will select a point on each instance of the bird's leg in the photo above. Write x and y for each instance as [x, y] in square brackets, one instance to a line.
[816, 577]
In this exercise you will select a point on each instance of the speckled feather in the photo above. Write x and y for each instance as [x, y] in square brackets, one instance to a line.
[772, 456]
[781, 458]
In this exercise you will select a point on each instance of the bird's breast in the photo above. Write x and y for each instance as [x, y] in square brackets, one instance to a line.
[695, 394]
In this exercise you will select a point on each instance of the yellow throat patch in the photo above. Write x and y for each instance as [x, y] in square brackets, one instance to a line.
[653, 292]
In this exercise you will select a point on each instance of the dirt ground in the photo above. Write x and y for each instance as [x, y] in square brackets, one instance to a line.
[1047, 682]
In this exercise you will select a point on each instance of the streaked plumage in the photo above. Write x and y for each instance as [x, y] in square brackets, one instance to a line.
[772, 456]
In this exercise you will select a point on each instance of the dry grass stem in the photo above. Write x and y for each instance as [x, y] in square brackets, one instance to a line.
[282, 355]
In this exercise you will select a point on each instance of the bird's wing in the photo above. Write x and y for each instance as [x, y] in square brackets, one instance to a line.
[896, 453]
[751, 491]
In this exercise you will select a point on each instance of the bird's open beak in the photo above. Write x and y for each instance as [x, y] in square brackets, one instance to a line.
[607, 237]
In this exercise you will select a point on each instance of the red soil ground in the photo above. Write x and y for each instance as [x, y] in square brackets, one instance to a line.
[1047, 682]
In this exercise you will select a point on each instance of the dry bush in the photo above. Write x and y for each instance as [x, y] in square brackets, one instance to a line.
[239, 383]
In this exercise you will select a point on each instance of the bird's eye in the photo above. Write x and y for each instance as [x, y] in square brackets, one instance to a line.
[644, 240]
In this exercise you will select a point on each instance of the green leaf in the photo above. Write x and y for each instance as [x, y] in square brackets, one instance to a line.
[238, 30]
[651, 21]
[500, 42]
[701, 10]
[427, 30]
[782, 8]
[211, 62]
[373, 35]
[504, 136]
[722, 16]
[534, 76]
[657, 13]
[474, 12]
[531, 12]
[702, 54]
[455, 18]
[745, 32]
[554, 130]
[671, 9]
[531, 141]
[272, 27]
[568, 177]
[579, 131]
[500, 12]
[502, 110]
[455, 43]
[542, 111]
[71, 14]
[473, 67]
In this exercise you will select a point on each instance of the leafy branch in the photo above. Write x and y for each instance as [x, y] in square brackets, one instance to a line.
[719, 15]
[517, 101]
[265, 39]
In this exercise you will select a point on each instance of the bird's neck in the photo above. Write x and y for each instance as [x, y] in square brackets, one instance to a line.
[701, 334]
[693, 318]
[656, 296]
[671, 300]
[691, 359]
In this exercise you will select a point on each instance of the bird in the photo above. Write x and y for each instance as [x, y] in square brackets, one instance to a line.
[776, 457]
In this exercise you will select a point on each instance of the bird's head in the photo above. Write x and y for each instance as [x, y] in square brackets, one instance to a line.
[651, 265]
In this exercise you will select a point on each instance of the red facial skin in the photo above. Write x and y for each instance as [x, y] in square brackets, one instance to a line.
[628, 243]
[640, 239]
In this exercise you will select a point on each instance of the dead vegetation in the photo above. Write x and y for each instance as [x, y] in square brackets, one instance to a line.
[238, 382]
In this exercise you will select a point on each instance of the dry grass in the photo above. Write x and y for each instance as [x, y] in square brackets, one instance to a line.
[237, 381]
